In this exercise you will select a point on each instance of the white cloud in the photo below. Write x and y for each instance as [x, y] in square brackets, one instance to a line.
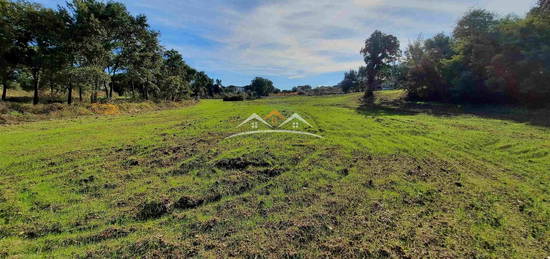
[295, 38]
[504, 7]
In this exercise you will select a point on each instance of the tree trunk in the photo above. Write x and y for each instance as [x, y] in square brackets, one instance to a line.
[146, 91]
[111, 90]
[80, 93]
[93, 96]
[133, 90]
[70, 96]
[5, 89]
[96, 89]
[111, 84]
[370, 87]
[106, 90]
[36, 82]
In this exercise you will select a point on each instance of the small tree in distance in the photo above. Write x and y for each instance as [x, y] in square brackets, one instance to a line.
[261, 87]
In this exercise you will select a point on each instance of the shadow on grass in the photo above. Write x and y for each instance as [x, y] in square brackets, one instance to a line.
[62, 99]
[28, 99]
[536, 117]
[20, 99]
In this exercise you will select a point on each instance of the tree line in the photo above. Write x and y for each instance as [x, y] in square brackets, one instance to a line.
[487, 59]
[91, 46]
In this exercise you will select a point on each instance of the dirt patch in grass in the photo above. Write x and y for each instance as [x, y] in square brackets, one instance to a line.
[260, 204]
[244, 175]
[187, 202]
[40, 230]
[237, 176]
[148, 247]
[152, 210]
[378, 208]
[109, 233]
[241, 163]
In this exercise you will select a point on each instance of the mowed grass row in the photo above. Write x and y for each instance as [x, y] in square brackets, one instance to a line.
[383, 182]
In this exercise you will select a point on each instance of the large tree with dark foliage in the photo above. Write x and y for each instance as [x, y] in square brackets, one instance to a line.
[379, 51]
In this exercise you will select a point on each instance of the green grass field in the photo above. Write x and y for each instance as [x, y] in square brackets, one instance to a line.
[384, 182]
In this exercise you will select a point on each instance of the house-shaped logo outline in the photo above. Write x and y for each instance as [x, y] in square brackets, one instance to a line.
[255, 117]
[295, 116]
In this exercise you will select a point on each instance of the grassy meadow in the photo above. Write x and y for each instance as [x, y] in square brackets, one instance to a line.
[389, 179]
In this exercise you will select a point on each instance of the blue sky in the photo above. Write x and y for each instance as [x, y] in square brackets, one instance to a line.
[295, 42]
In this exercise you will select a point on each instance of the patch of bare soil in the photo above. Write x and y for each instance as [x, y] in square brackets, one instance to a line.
[336, 219]
[393, 206]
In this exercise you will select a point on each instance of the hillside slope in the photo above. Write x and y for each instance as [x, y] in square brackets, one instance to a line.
[383, 182]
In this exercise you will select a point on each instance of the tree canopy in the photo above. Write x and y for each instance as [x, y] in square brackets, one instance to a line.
[486, 59]
[92, 45]
[379, 51]
[261, 87]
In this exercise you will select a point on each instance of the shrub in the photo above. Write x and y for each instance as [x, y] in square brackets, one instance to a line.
[3, 108]
[47, 108]
[234, 98]
[105, 109]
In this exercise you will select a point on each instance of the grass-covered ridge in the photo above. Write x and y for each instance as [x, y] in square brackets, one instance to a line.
[385, 181]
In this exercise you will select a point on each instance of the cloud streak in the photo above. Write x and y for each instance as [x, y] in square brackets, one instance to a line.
[303, 38]
[297, 38]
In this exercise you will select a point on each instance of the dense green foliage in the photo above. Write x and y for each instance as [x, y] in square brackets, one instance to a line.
[260, 87]
[487, 60]
[351, 82]
[91, 45]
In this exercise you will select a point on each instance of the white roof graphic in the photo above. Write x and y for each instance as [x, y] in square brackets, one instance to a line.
[295, 116]
[254, 117]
